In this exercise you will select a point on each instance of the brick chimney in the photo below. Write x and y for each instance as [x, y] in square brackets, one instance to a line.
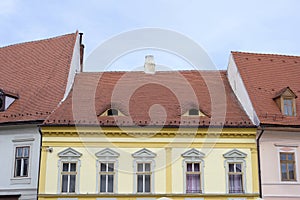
[149, 66]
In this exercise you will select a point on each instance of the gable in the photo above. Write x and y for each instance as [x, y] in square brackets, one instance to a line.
[107, 153]
[144, 153]
[69, 152]
[193, 153]
[235, 154]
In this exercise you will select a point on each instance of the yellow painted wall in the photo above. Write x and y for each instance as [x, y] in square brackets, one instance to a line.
[88, 145]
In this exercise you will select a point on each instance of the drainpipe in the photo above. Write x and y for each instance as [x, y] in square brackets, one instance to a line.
[38, 181]
[258, 159]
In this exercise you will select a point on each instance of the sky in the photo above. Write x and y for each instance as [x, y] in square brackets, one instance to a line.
[219, 27]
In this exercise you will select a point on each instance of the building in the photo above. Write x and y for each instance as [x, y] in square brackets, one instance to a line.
[35, 77]
[138, 135]
[267, 86]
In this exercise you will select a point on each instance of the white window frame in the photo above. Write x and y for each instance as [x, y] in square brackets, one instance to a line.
[21, 142]
[235, 156]
[107, 156]
[293, 149]
[144, 156]
[69, 155]
[193, 156]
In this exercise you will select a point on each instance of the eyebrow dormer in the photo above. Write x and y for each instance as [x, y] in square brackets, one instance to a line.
[193, 112]
[112, 112]
[286, 101]
[6, 99]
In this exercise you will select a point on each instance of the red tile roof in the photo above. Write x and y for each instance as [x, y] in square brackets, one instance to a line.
[37, 72]
[264, 76]
[147, 99]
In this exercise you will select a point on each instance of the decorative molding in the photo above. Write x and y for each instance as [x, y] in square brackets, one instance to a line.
[69, 153]
[107, 153]
[235, 154]
[144, 153]
[193, 153]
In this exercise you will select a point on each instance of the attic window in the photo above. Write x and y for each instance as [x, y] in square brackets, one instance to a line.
[2, 101]
[194, 112]
[6, 99]
[112, 112]
[286, 101]
[288, 106]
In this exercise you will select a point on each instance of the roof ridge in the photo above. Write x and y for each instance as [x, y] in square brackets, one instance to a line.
[269, 54]
[39, 40]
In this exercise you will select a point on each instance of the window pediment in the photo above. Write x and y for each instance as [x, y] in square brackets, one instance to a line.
[144, 153]
[107, 153]
[193, 153]
[235, 154]
[69, 152]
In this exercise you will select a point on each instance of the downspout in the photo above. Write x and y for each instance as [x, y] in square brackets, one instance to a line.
[258, 160]
[40, 157]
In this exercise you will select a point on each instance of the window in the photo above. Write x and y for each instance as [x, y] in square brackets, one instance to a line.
[235, 177]
[287, 166]
[144, 167]
[107, 174]
[288, 107]
[193, 112]
[193, 171]
[112, 112]
[68, 177]
[235, 167]
[143, 177]
[193, 175]
[22, 161]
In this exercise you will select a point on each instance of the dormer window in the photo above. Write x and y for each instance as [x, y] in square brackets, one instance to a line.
[286, 101]
[6, 99]
[112, 112]
[193, 112]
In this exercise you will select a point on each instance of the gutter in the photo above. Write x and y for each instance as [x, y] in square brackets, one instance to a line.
[258, 160]
[40, 158]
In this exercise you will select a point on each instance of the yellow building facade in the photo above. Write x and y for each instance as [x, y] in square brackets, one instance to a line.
[168, 152]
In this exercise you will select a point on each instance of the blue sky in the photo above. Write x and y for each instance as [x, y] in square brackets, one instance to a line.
[269, 26]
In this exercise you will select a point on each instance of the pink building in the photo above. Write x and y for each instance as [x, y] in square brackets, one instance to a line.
[267, 86]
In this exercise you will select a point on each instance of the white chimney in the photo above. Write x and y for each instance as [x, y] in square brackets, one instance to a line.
[149, 66]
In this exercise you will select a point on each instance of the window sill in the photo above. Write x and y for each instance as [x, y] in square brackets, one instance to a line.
[20, 180]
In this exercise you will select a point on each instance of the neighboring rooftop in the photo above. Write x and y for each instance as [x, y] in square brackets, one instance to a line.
[266, 76]
[36, 73]
[151, 99]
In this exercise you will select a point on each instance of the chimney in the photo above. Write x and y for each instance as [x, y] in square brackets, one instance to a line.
[149, 67]
[81, 51]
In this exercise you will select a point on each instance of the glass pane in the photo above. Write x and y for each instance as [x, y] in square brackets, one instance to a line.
[235, 184]
[103, 167]
[282, 156]
[290, 156]
[26, 151]
[147, 183]
[103, 183]
[110, 167]
[64, 184]
[73, 167]
[72, 183]
[65, 167]
[147, 167]
[291, 171]
[19, 152]
[110, 186]
[140, 183]
[196, 167]
[189, 167]
[288, 107]
[25, 167]
[283, 171]
[238, 167]
[140, 167]
[231, 167]
[193, 112]
[18, 167]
